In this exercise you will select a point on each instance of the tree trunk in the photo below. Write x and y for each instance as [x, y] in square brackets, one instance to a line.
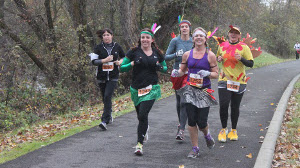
[168, 18]
[26, 16]
[129, 23]
[53, 43]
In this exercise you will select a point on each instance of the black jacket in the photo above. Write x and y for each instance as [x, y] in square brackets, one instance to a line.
[117, 52]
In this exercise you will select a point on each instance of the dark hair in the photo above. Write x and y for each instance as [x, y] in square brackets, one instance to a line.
[101, 32]
[188, 23]
[153, 44]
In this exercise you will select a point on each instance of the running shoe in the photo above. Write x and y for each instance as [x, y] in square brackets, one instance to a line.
[194, 152]
[178, 129]
[222, 135]
[180, 135]
[210, 142]
[146, 136]
[233, 135]
[138, 149]
[102, 125]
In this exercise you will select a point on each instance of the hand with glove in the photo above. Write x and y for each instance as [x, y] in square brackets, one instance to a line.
[179, 53]
[93, 56]
[158, 66]
[175, 73]
[203, 73]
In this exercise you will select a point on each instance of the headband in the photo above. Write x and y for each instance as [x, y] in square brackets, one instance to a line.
[186, 22]
[146, 32]
[199, 32]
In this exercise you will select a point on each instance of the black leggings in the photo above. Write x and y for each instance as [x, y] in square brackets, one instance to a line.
[142, 111]
[107, 90]
[197, 116]
[226, 97]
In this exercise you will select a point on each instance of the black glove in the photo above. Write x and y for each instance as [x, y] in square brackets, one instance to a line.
[138, 61]
[159, 67]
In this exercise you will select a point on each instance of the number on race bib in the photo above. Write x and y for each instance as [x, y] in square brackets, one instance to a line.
[233, 86]
[144, 91]
[109, 66]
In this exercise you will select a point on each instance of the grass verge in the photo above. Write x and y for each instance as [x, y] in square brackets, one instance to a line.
[289, 138]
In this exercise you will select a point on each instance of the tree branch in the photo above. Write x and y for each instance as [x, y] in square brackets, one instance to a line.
[33, 57]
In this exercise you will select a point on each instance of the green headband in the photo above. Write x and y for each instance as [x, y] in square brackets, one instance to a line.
[146, 32]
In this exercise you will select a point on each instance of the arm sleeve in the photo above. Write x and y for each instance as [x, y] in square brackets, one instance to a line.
[126, 65]
[247, 63]
[165, 68]
[247, 58]
[97, 62]
[170, 53]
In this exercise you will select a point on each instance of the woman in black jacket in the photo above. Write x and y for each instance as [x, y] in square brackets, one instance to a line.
[106, 56]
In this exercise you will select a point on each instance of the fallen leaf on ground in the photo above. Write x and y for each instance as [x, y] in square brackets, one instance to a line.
[249, 156]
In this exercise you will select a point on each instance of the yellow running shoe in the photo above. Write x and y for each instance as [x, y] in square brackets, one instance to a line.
[233, 135]
[139, 149]
[222, 135]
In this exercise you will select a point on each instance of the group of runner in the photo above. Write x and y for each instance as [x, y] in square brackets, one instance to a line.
[194, 66]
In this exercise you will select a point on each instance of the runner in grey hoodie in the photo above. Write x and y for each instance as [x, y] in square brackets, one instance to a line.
[177, 47]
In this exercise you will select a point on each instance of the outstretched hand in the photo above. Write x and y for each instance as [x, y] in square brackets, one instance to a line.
[175, 73]
[179, 53]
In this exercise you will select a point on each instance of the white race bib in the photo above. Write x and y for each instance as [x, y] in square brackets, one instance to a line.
[196, 80]
[109, 66]
[144, 91]
[233, 86]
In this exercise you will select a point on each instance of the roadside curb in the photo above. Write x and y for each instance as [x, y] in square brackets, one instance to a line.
[265, 156]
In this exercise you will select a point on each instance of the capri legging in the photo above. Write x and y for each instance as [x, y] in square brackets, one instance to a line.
[143, 110]
[226, 97]
[197, 116]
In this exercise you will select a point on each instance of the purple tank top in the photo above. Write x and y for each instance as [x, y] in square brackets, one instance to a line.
[195, 65]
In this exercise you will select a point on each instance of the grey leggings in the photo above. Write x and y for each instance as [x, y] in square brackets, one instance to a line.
[181, 112]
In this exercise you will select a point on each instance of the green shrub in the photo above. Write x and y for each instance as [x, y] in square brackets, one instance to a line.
[25, 105]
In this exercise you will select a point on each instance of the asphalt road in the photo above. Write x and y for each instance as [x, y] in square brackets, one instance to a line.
[114, 148]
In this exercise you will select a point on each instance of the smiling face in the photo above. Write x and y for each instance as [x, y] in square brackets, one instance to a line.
[199, 37]
[107, 37]
[146, 40]
[184, 29]
[234, 36]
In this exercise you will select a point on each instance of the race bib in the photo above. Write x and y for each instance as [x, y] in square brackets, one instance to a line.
[196, 80]
[144, 91]
[233, 86]
[109, 66]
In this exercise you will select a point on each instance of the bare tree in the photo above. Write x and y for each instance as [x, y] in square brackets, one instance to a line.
[128, 22]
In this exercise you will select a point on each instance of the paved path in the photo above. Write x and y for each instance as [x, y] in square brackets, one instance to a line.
[113, 148]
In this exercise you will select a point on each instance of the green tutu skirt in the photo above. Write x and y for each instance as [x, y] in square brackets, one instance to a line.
[153, 94]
